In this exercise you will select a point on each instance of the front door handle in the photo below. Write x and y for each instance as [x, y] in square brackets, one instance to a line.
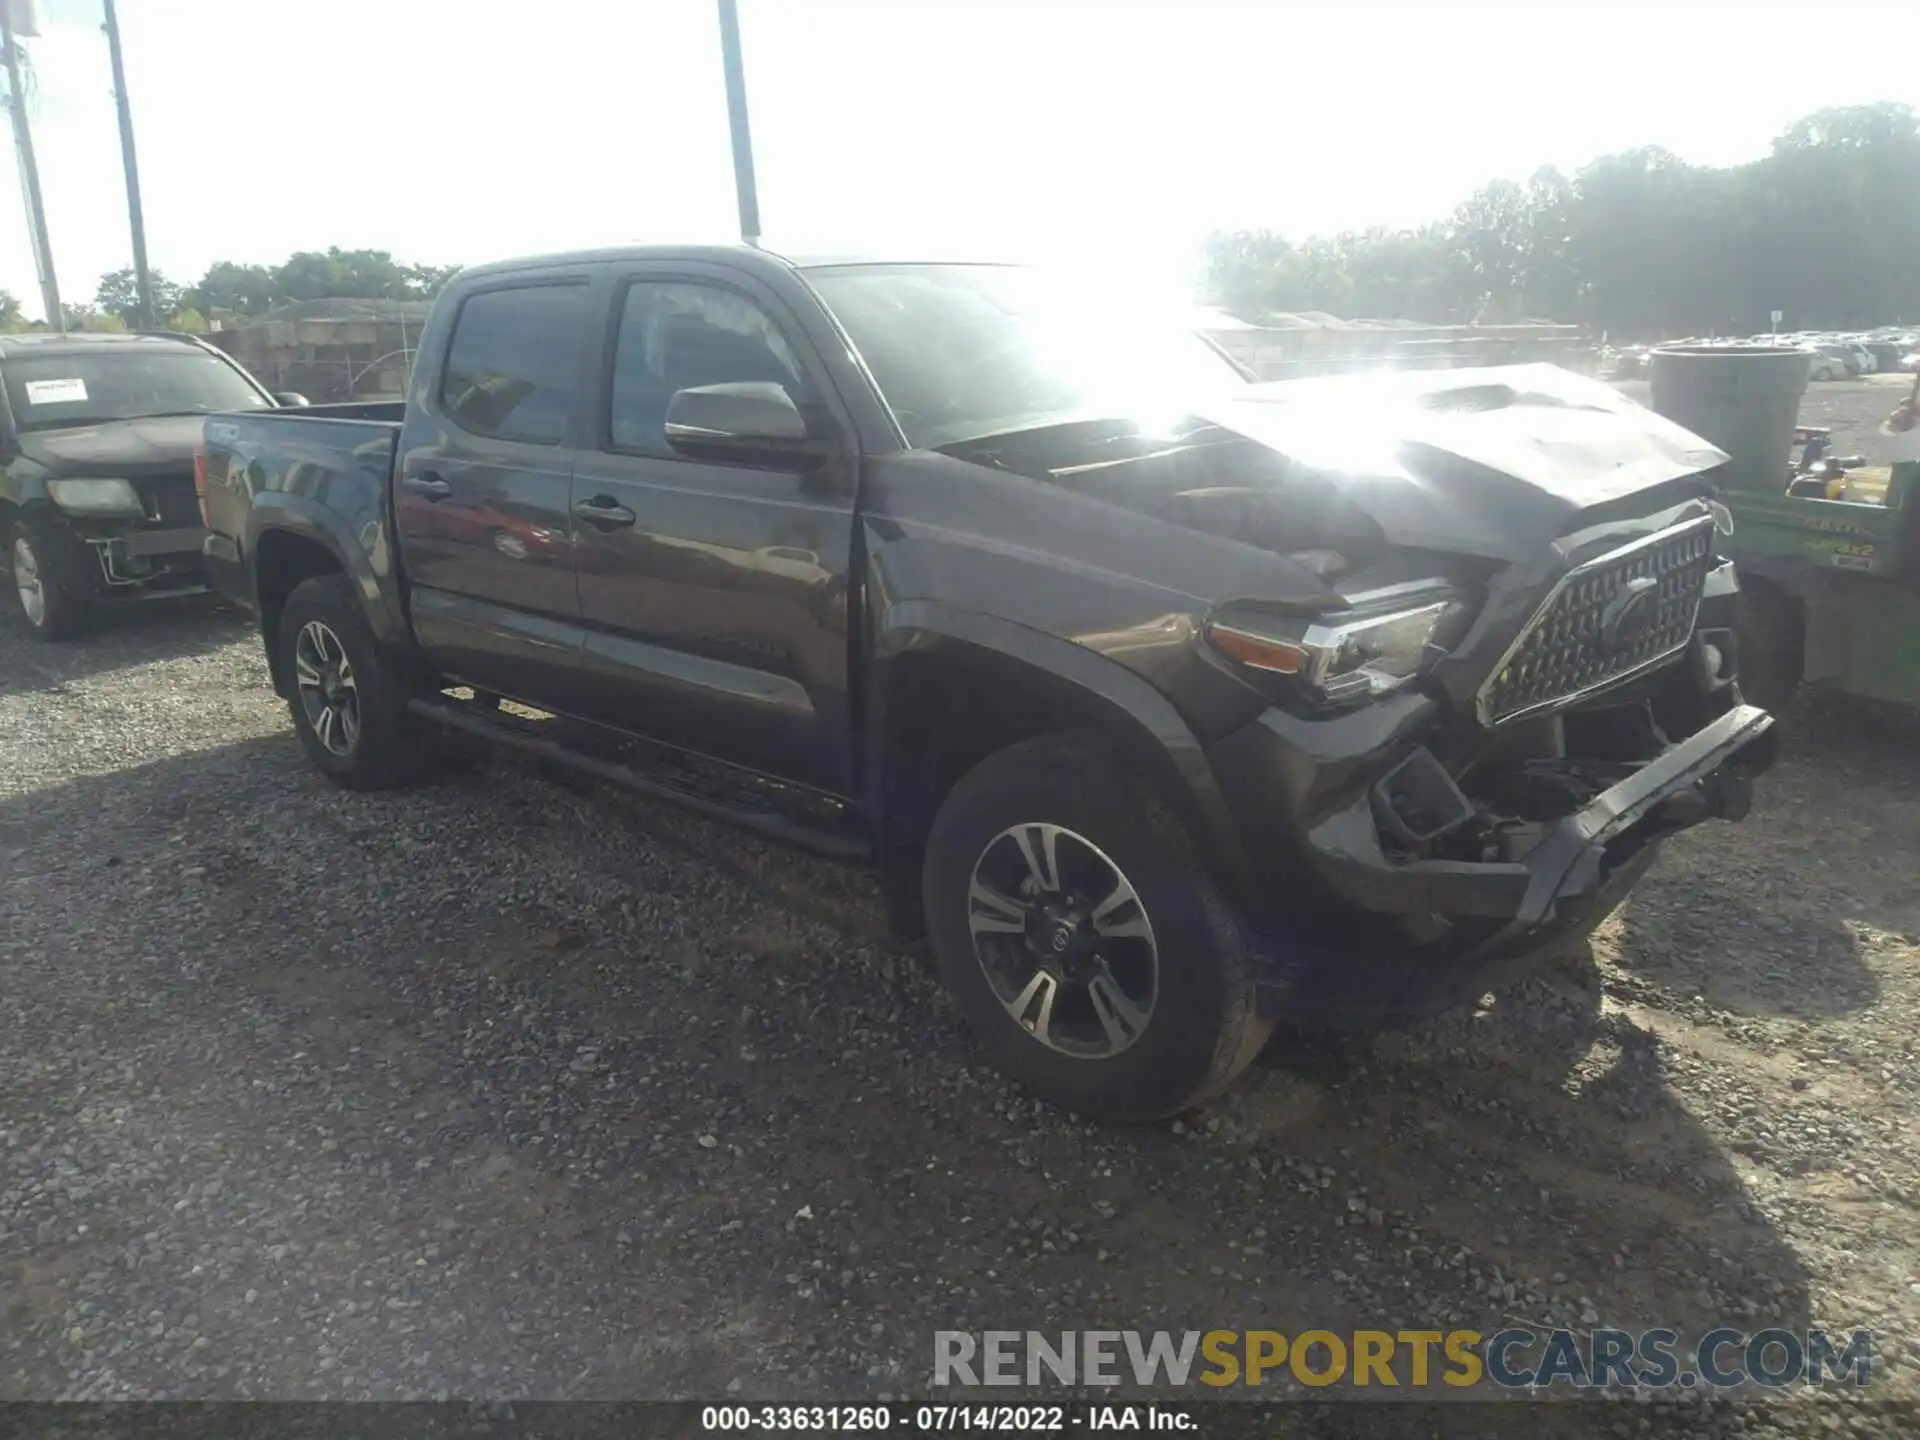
[429, 485]
[603, 512]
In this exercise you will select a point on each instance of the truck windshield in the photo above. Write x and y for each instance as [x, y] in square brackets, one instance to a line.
[91, 387]
[961, 352]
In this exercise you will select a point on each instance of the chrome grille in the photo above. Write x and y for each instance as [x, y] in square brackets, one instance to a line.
[1592, 631]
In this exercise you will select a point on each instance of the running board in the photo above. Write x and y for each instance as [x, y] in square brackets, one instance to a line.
[741, 803]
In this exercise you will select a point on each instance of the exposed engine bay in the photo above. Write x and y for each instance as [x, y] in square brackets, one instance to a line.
[1509, 798]
[1553, 766]
[1569, 538]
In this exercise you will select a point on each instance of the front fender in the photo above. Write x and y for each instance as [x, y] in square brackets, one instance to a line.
[1095, 686]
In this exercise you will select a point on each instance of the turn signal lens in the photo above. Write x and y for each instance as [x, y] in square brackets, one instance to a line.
[1259, 652]
[1380, 640]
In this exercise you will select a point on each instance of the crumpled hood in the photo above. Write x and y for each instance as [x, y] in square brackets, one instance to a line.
[1487, 461]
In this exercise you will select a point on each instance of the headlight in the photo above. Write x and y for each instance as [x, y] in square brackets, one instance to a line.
[1377, 644]
[96, 497]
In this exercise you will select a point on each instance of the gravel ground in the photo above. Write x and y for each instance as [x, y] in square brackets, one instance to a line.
[503, 1088]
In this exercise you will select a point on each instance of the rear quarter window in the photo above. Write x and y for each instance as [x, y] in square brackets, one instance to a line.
[513, 364]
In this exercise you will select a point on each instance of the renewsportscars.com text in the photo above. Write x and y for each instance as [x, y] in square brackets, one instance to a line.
[1516, 1358]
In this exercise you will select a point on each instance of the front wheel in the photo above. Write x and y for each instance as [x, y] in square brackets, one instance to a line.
[1091, 953]
[45, 589]
[349, 708]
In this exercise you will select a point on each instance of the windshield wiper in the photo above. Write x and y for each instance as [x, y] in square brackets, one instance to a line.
[1202, 437]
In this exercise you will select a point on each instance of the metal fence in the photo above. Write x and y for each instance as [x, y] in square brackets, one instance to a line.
[328, 379]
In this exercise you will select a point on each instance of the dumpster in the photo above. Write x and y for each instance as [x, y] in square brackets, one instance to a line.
[1743, 399]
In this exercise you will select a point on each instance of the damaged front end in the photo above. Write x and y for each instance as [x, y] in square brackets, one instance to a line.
[1484, 615]
[1412, 861]
[1418, 853]
[1601, 707]
[129, 539]
[1508, 785]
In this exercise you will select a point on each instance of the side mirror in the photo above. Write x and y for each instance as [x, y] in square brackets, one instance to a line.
[744, 419]
[291, 398]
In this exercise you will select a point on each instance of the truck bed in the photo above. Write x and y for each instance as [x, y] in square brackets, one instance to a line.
[325, 470]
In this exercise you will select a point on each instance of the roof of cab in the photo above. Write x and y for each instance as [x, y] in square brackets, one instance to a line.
[751, 255]
[51, 342]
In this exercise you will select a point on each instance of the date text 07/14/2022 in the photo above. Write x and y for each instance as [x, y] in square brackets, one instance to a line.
[945, 1419]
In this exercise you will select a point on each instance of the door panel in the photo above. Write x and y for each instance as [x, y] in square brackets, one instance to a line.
[484, 501]
[499, 542]
[717, 620]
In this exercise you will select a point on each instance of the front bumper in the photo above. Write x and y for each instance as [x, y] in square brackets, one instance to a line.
[1693, 781]
[1396, 940]
[121, 560]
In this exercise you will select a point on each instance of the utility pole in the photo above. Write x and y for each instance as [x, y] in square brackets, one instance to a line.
[743, 185]
[29, 171]
[142, 280]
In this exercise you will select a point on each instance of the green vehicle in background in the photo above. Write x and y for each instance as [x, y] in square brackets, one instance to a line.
[1829, 562]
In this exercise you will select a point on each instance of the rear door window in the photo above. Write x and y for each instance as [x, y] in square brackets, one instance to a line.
[513, 367]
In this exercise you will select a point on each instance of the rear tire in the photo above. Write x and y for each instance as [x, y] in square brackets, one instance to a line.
[1146, 1007]
[49, 596]
[349, 706]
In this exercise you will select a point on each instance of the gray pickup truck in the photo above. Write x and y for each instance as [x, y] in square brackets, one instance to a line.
[1165, 704]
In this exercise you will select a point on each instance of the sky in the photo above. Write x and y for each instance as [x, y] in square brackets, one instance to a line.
[456, 131]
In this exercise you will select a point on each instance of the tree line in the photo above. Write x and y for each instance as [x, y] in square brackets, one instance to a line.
[230, 292]
[1825, 228]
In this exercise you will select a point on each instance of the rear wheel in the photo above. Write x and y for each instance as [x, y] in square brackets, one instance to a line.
[50, 596]
[349, 707]
[1087, 946]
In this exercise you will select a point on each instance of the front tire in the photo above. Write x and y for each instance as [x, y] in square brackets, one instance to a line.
[349, 707]
[1093, 956]
[47, 592]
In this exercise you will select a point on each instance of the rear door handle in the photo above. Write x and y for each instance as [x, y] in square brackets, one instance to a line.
[429, 485]
[603, 512]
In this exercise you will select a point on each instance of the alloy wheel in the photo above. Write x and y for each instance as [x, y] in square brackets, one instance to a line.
[328, 694]
[1064, 940]
[26, 580]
